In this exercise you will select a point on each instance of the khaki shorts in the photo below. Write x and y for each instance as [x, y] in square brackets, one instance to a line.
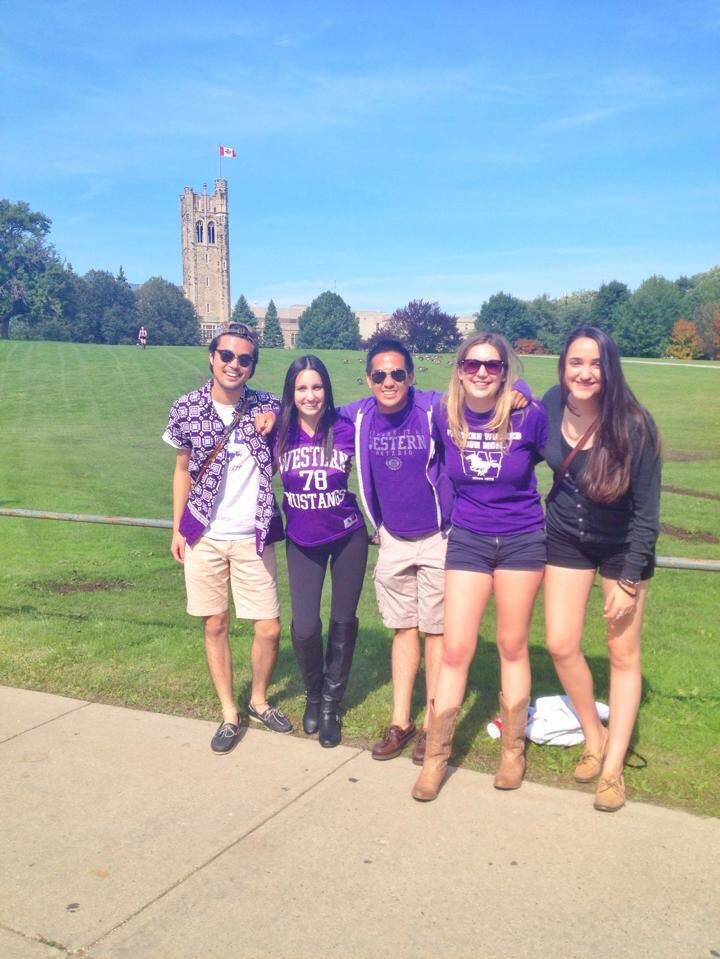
[213, 563]
[410, 581]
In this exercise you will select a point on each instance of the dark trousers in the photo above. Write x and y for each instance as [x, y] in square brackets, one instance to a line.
[307, 566]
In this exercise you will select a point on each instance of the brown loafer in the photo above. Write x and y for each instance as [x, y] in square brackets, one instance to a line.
[418, 753]
[393, 741]
[610, 794]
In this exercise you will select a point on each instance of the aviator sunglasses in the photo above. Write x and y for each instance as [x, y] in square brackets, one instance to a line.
[227, 356]
[471, 367]
[379, 376]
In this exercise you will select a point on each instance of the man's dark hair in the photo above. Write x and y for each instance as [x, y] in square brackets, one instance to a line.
[241, 330]
[390, 345]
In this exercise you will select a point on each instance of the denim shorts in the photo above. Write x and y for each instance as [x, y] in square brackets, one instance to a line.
[569, 553]
[484, 554]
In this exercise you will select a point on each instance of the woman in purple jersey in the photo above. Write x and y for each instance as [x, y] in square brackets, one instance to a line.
[323, 523]
[496, 546]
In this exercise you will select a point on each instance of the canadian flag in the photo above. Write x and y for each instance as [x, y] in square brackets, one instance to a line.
[227, 152]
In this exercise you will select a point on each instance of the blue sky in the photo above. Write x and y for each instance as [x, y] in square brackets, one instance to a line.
[388, 150]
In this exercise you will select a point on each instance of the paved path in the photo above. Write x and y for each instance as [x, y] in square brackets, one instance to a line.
[693, 365]
[124, 837]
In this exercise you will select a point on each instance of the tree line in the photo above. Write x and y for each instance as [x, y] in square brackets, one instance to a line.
[41, 297]
[662, 317]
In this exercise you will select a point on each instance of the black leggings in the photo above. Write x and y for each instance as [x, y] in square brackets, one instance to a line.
[306, 572]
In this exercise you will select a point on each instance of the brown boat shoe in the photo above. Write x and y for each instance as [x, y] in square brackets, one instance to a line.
[591, 763]
[418, 753]
[394, 740]
[610, 794]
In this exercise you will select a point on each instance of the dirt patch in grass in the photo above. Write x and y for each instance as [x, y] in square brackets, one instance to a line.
[81, 586]
[688, 456]
[685, 534]
[698, 494]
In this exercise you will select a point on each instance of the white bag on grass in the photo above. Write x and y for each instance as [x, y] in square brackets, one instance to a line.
[552, 721]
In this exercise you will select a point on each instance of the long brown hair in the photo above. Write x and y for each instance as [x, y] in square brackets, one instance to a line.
[455, 400]
[606, 476]
[288, 410]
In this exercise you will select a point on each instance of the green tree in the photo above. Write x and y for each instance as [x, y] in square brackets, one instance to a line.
[424, 328]
[108, 313]
[167, 314]
[645, 321]
[507, 315]
[702, 288]
[272, 332]
[329, 323]
[242, 313]
[53, 302]
[545, 319]
[605, 305]
[24, 252]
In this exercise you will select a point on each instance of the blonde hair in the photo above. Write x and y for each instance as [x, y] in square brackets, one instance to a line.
[455, 399]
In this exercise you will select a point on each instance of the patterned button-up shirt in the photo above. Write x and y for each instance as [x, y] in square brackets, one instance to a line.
[194, 425]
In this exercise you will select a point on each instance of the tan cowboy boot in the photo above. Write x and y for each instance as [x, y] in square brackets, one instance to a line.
[441, 731]
[512, 753]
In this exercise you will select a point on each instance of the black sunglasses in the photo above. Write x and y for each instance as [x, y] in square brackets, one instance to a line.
[379, 376]
[471, 367]
[227, 356]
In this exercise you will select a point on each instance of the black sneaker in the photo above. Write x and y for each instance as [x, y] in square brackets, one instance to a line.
[226, 737]
[272, 718]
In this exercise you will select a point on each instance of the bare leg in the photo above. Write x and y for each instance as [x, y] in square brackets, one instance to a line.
[623, 638]
[566, 597]
[433, 658]
[266, 641]
[466, 596]
[405, 663]
[219, 660]
[515, 592]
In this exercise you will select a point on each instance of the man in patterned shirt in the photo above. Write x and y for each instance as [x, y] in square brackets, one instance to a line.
[226, 521]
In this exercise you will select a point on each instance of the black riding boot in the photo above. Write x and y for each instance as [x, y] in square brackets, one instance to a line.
[338, 659]
[309, 655]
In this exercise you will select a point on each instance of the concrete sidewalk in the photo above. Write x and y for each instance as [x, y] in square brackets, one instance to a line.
[124, 837]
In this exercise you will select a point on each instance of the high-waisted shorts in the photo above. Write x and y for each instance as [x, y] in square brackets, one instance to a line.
[484, 554]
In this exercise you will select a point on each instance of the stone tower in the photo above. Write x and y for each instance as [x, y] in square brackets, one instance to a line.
[206, 255]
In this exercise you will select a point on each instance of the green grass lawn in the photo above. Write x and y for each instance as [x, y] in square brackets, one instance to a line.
[97, 612]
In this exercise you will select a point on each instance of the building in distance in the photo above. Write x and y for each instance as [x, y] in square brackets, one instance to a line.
[206, 255]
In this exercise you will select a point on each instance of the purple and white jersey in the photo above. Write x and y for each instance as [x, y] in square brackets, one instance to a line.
[318, 506]
[495, 489]
[398, 453]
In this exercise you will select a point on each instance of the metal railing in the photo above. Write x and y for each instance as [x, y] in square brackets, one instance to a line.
[665, 562]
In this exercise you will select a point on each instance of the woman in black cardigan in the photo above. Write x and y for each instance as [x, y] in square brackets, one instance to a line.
[603, 513]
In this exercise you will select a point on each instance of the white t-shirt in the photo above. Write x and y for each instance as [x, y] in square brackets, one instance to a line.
[233, 515]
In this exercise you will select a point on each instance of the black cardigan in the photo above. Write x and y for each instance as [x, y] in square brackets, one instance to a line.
[632, 521]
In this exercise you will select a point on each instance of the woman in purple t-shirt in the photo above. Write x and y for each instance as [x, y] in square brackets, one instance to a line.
[496, 545]
[323, 522]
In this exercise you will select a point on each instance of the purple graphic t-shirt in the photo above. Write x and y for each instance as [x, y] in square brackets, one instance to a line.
[495, 489]
[398, 463]
[318, 506]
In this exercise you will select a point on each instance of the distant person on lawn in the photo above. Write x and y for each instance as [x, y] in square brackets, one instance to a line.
[142, 337]
[226, 520]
